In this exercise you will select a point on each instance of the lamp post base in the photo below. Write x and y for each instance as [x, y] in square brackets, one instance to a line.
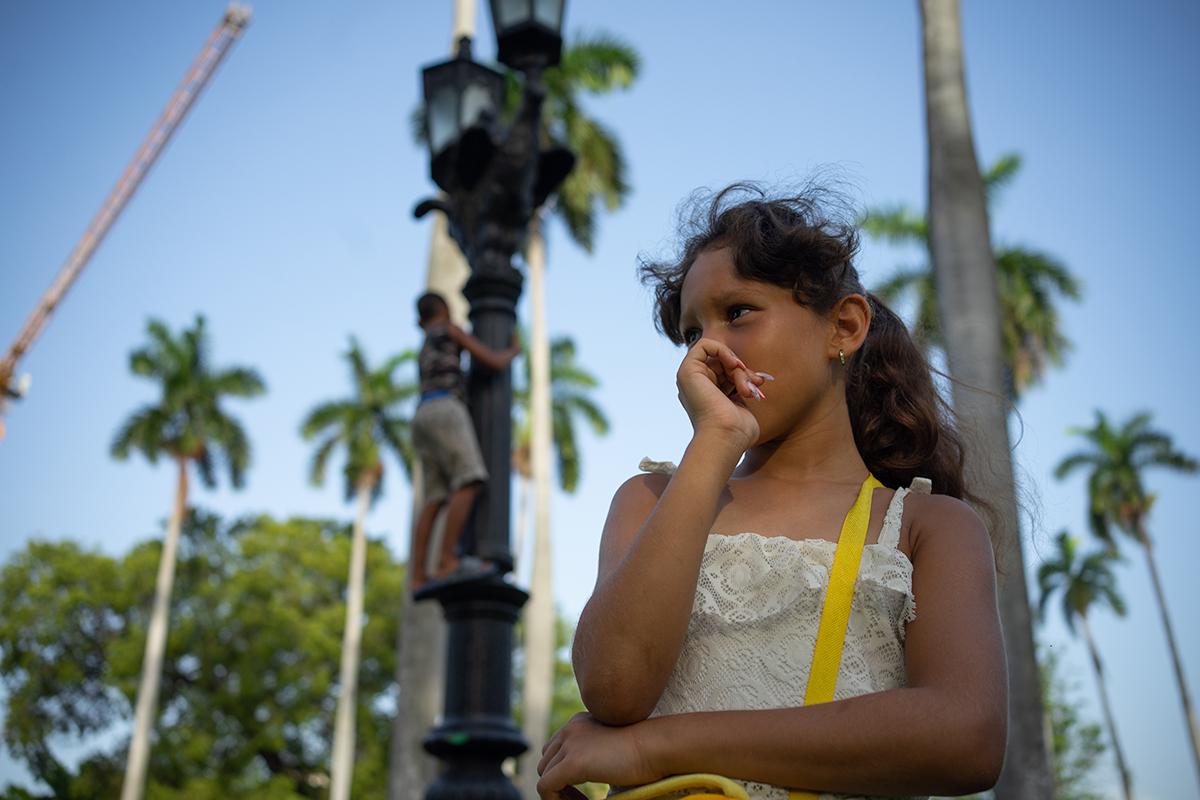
[478, 732]
[473, 779]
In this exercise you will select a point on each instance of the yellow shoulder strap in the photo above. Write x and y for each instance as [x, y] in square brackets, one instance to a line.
[835, 614]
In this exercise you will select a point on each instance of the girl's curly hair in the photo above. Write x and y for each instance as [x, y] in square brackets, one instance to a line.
[806, 243]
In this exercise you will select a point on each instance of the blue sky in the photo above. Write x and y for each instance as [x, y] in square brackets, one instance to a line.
[282, 211]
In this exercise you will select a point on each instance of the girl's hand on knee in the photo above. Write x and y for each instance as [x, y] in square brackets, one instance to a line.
[709, 379]
[585, 750]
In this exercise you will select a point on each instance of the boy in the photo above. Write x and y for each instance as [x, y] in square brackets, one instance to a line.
[443, 433]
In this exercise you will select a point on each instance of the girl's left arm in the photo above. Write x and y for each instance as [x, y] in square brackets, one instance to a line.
[942, 734]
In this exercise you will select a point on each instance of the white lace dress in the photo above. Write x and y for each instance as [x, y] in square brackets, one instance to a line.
[754, 625]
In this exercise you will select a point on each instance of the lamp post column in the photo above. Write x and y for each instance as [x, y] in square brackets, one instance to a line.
[488, 220]
[493, 183]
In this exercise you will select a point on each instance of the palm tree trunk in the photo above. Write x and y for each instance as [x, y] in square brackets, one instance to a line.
[134, 785]
[342, 769]
[1108, 717]
[420, 672]
[1188, 712]
[539, 612]
[522, 522]
[969, 309]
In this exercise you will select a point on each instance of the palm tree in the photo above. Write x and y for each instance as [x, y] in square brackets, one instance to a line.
[964, 271]
[365, 425]
[188, 425]
[569, 387]
[1028, 278]
[1084, 582]
[595, 64]
[1115, 459]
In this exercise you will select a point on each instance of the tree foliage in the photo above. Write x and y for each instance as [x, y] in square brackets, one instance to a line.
[1085, 581]
[1029, 282]
[249, 684]
[1114, 459]
[364, 424]
[570, 387]
[1078, 742]
[595, 64]
[188, 422]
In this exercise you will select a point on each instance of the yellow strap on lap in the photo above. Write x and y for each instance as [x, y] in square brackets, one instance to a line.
[678, 785]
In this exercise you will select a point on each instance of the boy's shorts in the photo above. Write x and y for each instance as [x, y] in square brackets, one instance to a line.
[444, 436]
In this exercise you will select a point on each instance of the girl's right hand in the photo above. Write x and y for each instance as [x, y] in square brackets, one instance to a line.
[711, 381]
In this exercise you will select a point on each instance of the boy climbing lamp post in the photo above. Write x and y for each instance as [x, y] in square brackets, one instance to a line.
[493, 181]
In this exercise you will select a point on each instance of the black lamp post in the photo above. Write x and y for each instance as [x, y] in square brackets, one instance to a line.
[493, 181]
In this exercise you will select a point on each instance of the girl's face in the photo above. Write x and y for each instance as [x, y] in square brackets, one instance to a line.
[769, 331]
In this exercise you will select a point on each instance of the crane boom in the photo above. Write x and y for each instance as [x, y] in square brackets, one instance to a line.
[236, 18]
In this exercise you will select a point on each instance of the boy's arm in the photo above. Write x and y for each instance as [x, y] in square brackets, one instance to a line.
[494, 360]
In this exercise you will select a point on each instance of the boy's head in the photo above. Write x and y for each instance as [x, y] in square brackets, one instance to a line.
[431, 310]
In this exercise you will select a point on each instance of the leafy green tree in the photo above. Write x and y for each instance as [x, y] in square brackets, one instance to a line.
[1076, 743]
[1114, 459]
[188, 425]
[364, 425]
[249, 685]
[1029, 281]
[596, 65]
[1085, 581]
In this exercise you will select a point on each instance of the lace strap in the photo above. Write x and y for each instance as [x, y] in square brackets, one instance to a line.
[890, 535]
[661, 467]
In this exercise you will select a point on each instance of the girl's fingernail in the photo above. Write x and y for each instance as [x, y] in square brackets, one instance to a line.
[755, 391]
[765, 376]
[741, 365]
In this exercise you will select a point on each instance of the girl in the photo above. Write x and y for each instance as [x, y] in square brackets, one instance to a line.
[693, 653]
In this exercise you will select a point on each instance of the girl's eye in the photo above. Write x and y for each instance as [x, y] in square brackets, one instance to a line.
[690, 336]
[737, 311]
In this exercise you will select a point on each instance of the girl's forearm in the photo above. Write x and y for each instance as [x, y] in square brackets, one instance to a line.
[903, 741]
[633, 627]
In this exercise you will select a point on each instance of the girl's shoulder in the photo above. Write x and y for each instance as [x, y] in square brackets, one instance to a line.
[938, 522]
[640, 489]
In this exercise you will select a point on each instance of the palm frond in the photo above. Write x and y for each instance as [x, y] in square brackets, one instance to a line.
[233, 442]
[364, 424]
[597, 63]
[324, 416]
[896, 225]
[205, 467]
[1000, 175]
[143, 432]
[316, 470]
[239, 382]
[187, 421]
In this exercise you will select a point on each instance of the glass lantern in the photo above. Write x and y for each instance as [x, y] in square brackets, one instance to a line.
[459, 95]
[528, 32]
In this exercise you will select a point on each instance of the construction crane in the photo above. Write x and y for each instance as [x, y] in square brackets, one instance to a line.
[237, 17]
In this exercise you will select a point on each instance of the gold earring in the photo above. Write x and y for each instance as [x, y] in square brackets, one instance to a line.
[842, 356]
